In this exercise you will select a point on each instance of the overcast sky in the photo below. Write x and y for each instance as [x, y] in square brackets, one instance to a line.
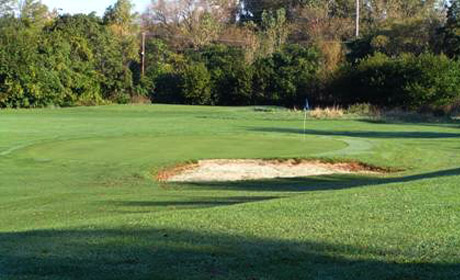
[88, 6]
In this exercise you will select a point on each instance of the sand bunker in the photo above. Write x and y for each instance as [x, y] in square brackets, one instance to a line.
[242, 170]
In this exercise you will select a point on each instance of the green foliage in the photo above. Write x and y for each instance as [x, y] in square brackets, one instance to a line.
[254, 10]
[272, 55]
[91, 57]
[33, 13]
[273, 31]
[219, 75]
[195, 86]
[28, 75]
[119, 13]
[231, 76]
[395, 38]
[287, 77]
[407, 81]
[121, 21]
[451, 31]
[75, 60]
[168, 89]
[363, 109]
[436, 83]
[164, 71]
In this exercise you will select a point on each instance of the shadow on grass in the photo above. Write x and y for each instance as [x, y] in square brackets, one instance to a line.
[204, 201]
[362, 134]
[176, 254]
[278, 188]
[439, 123]
[319, 183]
[150, 206]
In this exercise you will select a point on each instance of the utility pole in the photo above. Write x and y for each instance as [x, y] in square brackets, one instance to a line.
[358, 12]
[143, 54]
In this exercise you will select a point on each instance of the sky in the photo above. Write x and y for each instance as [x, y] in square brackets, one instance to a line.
[88, 6]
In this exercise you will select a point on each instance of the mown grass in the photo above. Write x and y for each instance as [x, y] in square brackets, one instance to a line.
[78, 199]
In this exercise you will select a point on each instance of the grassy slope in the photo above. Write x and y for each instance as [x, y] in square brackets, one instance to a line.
[77, 199]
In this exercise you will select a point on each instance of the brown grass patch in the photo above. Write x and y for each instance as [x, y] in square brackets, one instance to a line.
[327, 113]
[166, 174]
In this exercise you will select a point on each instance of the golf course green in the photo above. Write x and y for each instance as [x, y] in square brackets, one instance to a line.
[79, 199]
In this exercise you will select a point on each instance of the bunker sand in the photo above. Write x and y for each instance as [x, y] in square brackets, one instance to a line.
[219, 170]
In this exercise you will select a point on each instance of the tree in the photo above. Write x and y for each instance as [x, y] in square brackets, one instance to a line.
[274, 31]
[405, 81]
[231, 78]
[122, 21]
[286, 77]
[451, 30]
[186, 23]
[94, 45]
[33, 13]
[252, 10]
[318, 22]
[380, 11]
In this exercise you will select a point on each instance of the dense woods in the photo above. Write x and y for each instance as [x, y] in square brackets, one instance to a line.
[229, 52]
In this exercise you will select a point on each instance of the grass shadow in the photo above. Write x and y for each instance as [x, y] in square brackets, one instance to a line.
[148, 206]
[180, 254]
[439, 123]
[362, 134]
[278, 188]
[319, 183]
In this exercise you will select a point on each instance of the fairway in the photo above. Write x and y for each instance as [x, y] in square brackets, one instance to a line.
[79, 199]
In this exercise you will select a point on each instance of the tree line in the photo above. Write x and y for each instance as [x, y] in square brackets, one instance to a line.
[229, 52]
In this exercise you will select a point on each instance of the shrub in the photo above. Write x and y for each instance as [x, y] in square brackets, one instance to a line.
[196, 85]
[396, 37]
[235, 86]
[286, 77]
[406, 81]
[363, 109]
[437, 81]
[73, 60]
[231, 76]
[168, 89]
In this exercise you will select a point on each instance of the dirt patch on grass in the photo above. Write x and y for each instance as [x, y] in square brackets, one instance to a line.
[224, 170]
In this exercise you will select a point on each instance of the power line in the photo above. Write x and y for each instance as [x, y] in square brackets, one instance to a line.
[156, 35]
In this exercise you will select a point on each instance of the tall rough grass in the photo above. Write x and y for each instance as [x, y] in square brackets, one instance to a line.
[334, 112]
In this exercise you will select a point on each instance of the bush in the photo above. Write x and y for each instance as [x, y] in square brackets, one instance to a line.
[363, 109]
[196, 85]
[190, 85]
[73, 60]
[396, 37]
[168, 89]
[437, 82]
[406, 81]
[287, 77]
[231, 76]
[220, 75]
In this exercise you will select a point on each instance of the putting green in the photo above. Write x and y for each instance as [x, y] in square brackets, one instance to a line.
[130, 149]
